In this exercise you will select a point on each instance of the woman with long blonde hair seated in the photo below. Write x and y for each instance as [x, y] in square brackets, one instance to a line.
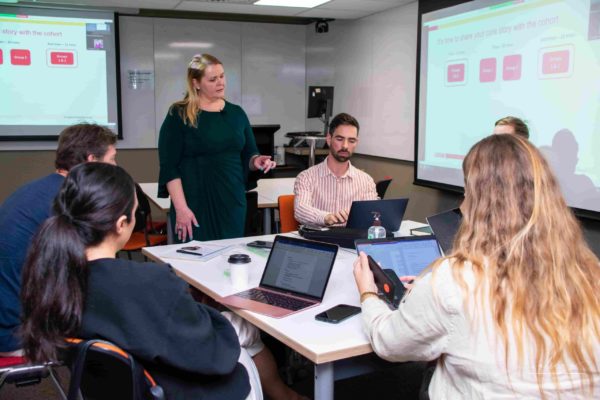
[514, 310]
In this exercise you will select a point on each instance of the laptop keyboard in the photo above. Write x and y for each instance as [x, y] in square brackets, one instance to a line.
[275, 299]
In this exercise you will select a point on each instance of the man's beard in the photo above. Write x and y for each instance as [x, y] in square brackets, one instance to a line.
[341, 158]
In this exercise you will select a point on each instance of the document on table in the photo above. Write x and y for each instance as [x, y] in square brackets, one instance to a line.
[208, 251]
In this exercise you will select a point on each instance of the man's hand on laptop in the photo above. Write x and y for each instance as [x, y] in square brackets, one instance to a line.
[339, 217]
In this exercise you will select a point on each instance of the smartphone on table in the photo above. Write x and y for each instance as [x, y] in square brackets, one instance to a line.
[338, 313]
[194, 250]
[260, 244]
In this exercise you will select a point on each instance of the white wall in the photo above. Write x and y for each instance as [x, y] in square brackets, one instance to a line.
[264, 67]
[371, 62]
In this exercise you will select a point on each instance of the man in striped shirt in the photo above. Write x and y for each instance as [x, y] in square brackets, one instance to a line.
[325, 192]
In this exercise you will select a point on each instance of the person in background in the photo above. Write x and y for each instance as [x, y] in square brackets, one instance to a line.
[513, 311]
[511, 126]
[325, 192]
[73, 286]
[28, 207]
[206, 148]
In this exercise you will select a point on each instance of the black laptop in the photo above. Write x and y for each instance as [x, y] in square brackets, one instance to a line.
[359, 221]
[391, 212]
[444, 226]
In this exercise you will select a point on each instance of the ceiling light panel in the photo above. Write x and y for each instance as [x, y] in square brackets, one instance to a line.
[291, 3]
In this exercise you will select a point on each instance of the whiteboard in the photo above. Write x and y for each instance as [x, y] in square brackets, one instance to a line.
[264, 67]
[371, 62]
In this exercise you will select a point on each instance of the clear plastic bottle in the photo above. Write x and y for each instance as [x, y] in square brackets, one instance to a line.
[376, 231]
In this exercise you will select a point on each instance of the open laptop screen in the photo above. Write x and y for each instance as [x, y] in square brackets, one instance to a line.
[405, 255]
[444, 226]
[391, 212]
[299, 266]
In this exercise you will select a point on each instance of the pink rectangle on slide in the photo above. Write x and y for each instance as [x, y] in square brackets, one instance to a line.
[556, 62]
[1, 57]
[487, 70]
[456, 73]
[511, 70]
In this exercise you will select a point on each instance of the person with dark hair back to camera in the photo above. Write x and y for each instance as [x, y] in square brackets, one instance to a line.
[513, 311]
[23, 212]
[512, 126]
[324, 193]
[206, 149]
[74, 286]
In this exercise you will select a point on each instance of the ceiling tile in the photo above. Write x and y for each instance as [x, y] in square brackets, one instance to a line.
[156, 4]
[339, 9]
[237, 8]
[372, 6]
[336, 14]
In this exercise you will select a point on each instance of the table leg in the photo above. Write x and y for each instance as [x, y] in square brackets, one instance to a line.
[311, 154]
[170, 239]
[324, 380]
[267, 221]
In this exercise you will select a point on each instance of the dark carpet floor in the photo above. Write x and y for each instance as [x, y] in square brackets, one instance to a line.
[400, 382]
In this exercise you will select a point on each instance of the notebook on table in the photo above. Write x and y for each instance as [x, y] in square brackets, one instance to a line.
[406, 255]
[391, 212]
[444, 226]
[294, 279]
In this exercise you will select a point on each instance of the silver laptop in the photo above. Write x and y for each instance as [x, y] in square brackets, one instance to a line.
[295, 278]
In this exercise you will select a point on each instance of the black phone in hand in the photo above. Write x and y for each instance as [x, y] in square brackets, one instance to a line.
[387, 282]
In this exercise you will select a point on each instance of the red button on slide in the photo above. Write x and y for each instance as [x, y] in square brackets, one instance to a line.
[1, 58]
[20, 57]
[61, 58]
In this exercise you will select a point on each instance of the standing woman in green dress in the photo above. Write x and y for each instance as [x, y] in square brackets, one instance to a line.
[206, 149]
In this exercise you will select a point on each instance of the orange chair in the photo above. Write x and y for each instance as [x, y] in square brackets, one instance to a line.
[286, 213]
[144, 233]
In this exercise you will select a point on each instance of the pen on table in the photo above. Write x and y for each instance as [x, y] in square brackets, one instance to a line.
[189, 252]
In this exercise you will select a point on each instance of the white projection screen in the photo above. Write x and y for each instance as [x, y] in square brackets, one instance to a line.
[57, 68]
[538, 60]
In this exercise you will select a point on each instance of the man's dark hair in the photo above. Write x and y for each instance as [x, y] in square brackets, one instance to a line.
[343, 119]
[518, 125]
[77, 142]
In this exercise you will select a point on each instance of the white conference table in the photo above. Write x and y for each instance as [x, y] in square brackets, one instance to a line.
[322, 343]
[268, 191]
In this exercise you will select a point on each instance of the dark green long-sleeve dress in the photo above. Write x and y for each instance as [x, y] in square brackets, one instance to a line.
[212, 161]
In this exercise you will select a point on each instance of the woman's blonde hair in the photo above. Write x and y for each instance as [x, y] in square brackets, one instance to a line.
[188, 107]
[524, 243]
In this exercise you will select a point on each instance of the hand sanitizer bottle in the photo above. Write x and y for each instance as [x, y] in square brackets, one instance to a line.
[376, 231]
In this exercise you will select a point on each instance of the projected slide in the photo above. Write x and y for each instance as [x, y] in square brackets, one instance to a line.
[55, 71]
[538, 60]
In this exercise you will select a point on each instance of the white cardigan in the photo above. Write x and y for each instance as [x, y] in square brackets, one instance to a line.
[431, 323]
